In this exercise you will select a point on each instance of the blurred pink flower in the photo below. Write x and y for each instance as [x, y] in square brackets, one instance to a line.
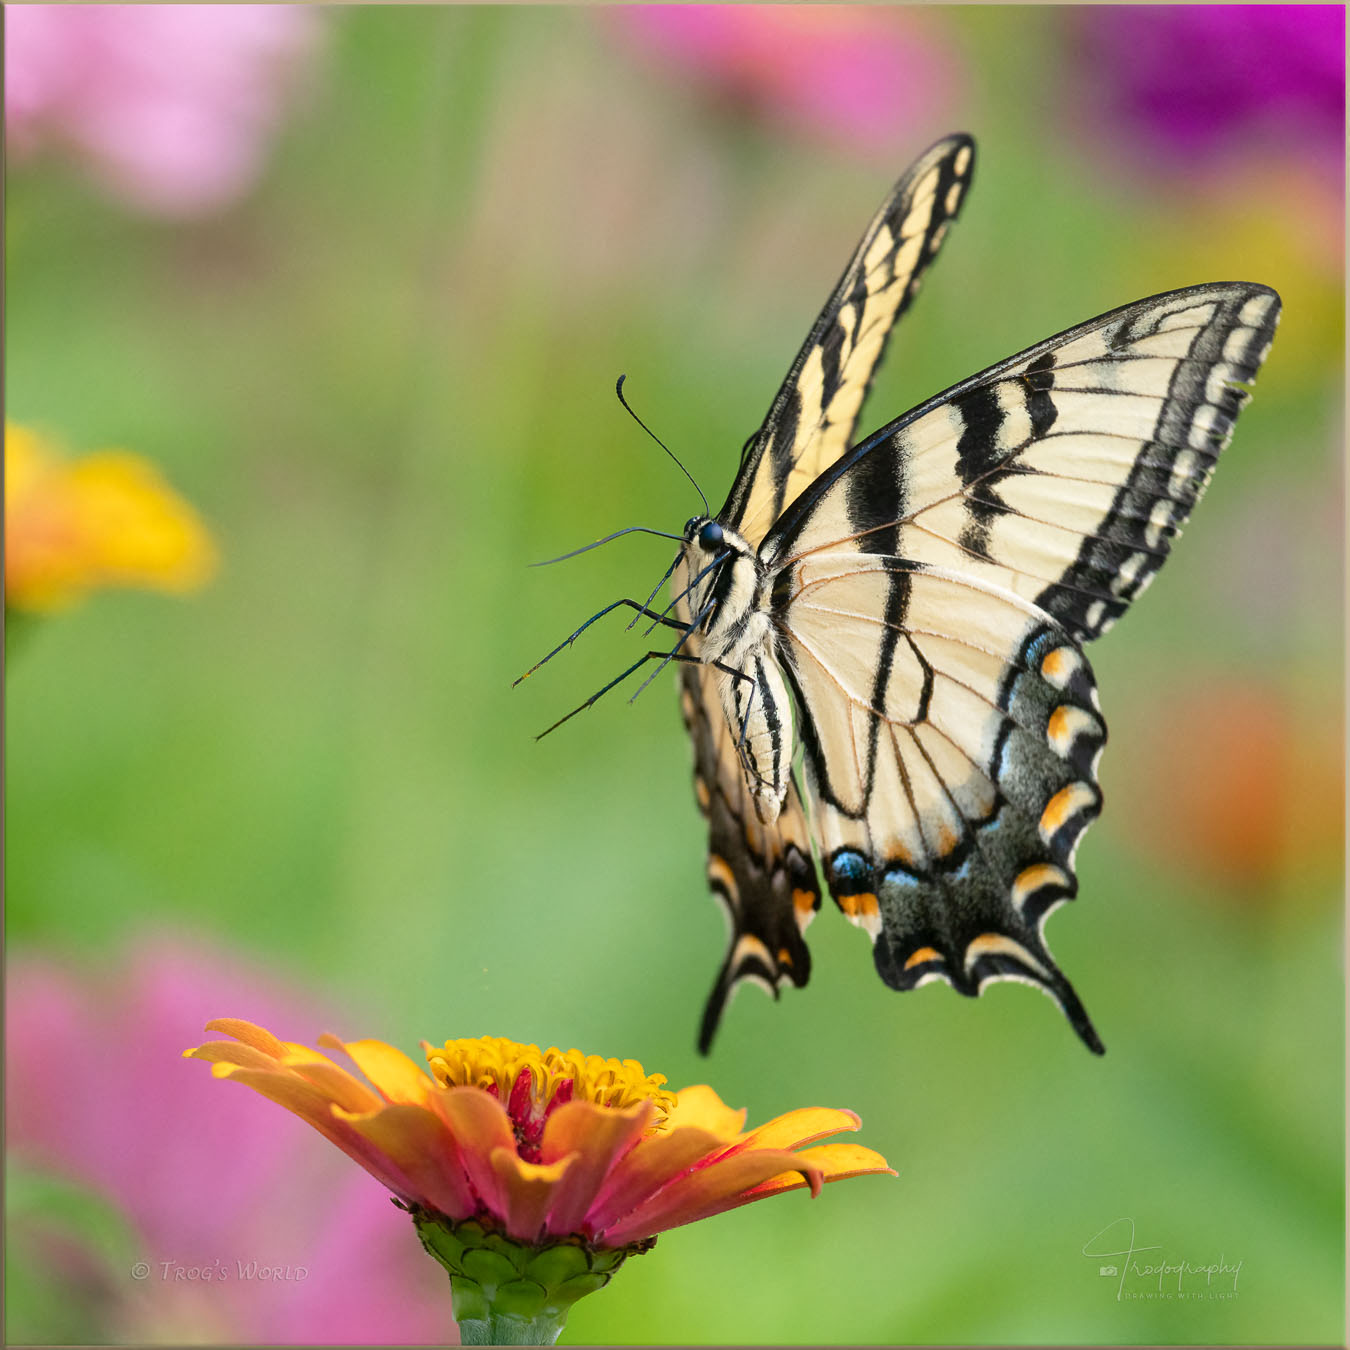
[864, 76]
[96, 1093]
[172, 107]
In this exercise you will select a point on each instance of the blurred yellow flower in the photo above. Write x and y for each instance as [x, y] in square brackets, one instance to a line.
[531, 1175]
[108, 519]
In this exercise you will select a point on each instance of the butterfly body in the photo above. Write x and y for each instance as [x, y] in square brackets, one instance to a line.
[908, 613]
[728, 589]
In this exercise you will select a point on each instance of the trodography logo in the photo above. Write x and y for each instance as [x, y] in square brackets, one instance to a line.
[1145, 1270]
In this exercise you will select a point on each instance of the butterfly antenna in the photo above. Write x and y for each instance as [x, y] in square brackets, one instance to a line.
[618, 389]
[664, 657]
[586, 548]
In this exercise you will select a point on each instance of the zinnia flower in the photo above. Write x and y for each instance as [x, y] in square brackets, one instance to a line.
[532, 1176]
[108, 519]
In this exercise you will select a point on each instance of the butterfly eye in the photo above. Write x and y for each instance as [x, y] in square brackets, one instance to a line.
[689, 525]
[710, 536]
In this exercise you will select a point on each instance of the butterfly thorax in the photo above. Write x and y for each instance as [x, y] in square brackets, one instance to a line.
[724, 590]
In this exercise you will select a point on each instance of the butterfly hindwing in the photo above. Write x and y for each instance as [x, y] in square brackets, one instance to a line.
[762, 873]
[813, 417]
[951, 738]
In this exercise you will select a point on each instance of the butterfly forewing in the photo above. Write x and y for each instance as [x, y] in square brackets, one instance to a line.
[1063, 473]
[813, 417]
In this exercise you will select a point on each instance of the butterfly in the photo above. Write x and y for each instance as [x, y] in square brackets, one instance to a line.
[907, 615]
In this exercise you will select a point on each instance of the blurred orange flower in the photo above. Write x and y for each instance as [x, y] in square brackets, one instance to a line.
[1229, 784]
[548, 1167]
[108, 519]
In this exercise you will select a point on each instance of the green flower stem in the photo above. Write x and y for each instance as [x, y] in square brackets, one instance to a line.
[506, 1292]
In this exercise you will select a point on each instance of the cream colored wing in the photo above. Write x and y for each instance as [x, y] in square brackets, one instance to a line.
[951, 736]
[812, 420]
[1062, 474]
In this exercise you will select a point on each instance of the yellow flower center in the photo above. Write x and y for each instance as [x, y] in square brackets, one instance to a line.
[531, 1083]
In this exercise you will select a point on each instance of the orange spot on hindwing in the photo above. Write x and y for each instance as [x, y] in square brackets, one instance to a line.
[922, 954]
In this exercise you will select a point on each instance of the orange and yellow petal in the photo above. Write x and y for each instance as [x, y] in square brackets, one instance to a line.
[527, 1190]
[702, 1108]
[652, 1164]
[340, 1087]
[417, 1143]
[250, 1034]
[803, 1126]
[835, 1162]
[480, 1126]
[596, 1137]
[262, 1051]
[295, 1094]
[397, 1077]
[234, 1056]
[707, 1190]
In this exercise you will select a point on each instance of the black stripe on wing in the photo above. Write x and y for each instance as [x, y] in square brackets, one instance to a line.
[814, 415]
[1062, 473]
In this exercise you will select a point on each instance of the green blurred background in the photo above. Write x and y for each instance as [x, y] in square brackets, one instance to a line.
[386, 379]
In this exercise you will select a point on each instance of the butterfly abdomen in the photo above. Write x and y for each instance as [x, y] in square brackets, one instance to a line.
[759, 710]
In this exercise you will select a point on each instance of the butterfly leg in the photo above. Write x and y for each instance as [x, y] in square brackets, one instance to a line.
[663, 657]
[689, 589]
[674, 653]
[567, 642]
[665, 576]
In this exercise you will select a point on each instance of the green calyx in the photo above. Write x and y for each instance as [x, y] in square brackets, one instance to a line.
[507, 1292]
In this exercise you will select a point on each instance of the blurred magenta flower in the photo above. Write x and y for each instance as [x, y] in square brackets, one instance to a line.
[206, 1180]
[864, 76]
[172, 107]
[1195, 82]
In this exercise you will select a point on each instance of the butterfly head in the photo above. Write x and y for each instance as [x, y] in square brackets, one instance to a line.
[721, 577]
[708, 544]
[708, 534]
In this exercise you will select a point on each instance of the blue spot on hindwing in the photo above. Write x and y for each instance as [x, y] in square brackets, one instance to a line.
[848, 868]
[900, 878]
[1038, 647]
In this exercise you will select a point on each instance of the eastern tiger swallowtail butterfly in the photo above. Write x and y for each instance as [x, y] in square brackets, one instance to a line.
[911, 612]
